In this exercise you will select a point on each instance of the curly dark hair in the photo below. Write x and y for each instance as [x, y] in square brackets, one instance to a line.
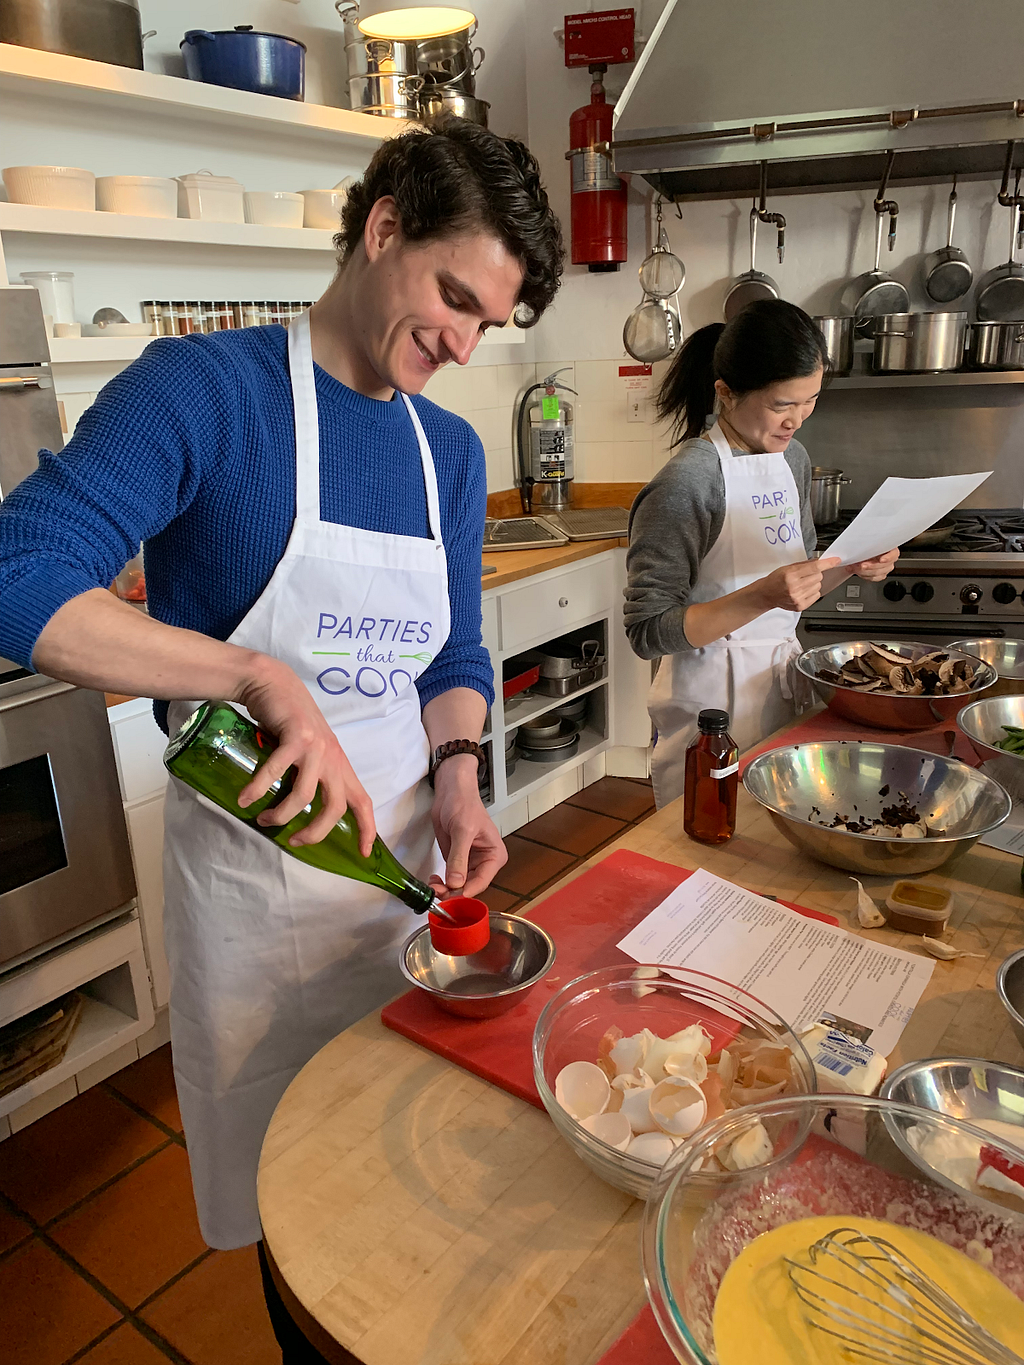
[455, 175]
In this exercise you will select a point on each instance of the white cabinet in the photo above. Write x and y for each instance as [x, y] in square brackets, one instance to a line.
[550, 605]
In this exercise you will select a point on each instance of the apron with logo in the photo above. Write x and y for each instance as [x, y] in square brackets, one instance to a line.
[269, 958]
[746, 672]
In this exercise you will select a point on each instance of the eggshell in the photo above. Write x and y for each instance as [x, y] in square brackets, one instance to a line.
[627, 1054]
[693, 1066]
[752, 1148]
[653, 1147]
[582, 1089]
[695, 1038]
[611, 1128]
[644, 974]
[678, 1106]
[636, 1105]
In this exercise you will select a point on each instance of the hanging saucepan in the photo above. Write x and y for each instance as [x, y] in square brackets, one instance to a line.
[753, 284]
[1000, 296]
[875, 291]
[947, 272]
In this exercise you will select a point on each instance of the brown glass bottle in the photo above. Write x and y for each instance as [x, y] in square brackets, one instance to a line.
[712, 776]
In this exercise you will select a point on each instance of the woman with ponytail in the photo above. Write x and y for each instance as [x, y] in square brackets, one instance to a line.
[721, 541]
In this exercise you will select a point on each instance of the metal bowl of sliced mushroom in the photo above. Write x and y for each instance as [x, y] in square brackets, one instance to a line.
[894, 685]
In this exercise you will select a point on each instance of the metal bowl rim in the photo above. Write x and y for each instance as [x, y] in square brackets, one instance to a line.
[896, 696]
[1002, 973]
[905, 749]
[993, 749]
[491, 995]
[932, 1063]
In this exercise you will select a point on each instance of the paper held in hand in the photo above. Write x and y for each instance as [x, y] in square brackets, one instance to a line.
[898, 511]
[800, 967]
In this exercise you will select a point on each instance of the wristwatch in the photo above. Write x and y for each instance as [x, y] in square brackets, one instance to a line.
[453, 747]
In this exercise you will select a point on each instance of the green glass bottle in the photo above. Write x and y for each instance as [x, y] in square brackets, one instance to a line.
[217, 751]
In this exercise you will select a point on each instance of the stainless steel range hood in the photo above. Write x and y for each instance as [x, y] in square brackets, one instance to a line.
[821, 89]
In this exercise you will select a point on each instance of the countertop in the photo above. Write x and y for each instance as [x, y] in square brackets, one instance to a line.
[515, 564]
[419, 1215]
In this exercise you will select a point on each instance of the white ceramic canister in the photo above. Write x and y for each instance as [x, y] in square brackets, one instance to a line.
[51, 187]
[323, 207]
[146, 196]
[274, 208]
[214, 198]
[56, 292]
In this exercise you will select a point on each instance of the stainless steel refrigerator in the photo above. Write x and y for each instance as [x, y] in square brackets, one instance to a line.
[29, 416]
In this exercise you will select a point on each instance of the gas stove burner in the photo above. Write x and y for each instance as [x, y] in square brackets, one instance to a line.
[995, 531]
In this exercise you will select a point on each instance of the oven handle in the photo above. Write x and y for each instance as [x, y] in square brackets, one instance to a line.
[834, 628]
[53, 689]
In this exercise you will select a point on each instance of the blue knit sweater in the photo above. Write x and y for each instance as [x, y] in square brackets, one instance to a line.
[191, 450]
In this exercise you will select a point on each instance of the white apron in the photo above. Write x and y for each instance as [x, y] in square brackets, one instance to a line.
[744, 673]
[270, 958]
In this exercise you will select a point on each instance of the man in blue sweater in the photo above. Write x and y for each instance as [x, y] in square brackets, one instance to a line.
[313, 535]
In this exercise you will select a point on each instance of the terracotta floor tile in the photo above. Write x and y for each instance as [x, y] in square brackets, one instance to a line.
[149, 1083]
[12, 1228]
[140, 1231]
[572, 830]
[530, 866]
[496, 899]
[216, 1314]
[49, 1311]
[59, 1159]
[617, 797]
[125, 1346]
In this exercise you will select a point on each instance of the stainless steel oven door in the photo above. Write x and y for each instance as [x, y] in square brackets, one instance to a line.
[833, 630]
[65, 860]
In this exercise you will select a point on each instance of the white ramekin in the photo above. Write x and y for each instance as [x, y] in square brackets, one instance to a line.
[51, 187]
[323, 208]
[146, 196]
[273, 208]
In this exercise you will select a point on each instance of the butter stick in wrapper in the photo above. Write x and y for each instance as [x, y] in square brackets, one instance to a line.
[841, 1062]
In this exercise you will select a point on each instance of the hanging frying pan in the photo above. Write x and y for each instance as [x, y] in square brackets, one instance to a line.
[1000, 296]
[875, 291]
[753, 284]
[947, 272]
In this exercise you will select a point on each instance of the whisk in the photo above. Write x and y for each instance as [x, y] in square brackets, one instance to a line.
[864, 1292]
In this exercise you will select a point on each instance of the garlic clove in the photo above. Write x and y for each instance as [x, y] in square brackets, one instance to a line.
[945, 951]
[695, 1038]
[752, 1148]
[694, 1067]
[678, 1106]
[868, 914]
[611, 1128]
[582, 1089]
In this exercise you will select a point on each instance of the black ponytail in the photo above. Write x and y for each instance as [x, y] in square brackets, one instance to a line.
[769, 342]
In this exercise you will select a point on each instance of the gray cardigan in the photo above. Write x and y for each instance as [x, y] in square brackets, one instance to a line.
[675, 521]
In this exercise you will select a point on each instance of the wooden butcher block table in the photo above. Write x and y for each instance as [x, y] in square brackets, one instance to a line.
[419, 1215]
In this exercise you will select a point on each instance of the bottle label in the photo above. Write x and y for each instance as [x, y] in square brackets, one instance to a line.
[726, 772]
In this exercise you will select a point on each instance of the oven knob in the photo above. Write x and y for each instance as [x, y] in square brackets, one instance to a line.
[1004, 593]
[922, 592]
[970, 592]
[894, 591]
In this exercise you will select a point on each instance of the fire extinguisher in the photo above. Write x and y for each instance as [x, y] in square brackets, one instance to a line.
[598, 194]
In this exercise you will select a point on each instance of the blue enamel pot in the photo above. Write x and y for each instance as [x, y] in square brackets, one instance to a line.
[267, 63]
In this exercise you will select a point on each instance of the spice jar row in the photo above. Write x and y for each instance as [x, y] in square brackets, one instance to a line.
[182, 317]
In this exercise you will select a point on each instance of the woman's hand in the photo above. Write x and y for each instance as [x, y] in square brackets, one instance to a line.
[279, 702]
[794, 587]
[472, 847]
[874, 570]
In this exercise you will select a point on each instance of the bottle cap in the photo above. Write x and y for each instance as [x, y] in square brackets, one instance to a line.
[469, 935]
[713, 720]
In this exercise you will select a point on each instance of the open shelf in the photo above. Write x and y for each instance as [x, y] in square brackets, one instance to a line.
[951, 378]
[54, 76]
[28, 218]
[532, 705]
[529, 777]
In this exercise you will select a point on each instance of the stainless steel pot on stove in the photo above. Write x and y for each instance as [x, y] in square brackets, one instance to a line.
[826, 489]
[919, 343]
[996, 346]
[839, 336]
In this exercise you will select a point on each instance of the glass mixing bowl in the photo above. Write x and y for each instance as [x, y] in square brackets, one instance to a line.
[833, 1154]
[574, 1021]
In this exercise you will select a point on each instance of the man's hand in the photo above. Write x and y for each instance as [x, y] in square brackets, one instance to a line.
[874, 570]
[471, 846]
[276, 698]
[794, 587]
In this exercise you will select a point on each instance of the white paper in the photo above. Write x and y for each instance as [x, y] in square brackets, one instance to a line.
[898, 511]
[801, 967]
[1010, 835]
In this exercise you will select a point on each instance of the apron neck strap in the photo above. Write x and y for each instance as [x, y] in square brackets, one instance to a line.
[717, 437]
[307, 433]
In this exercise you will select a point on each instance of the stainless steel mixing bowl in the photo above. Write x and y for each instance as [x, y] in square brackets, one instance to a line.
[886, 712]
[801, 784]
[966, 1088]
[486, 983]
[1010, 990]
[1005, 656]
[982, 722]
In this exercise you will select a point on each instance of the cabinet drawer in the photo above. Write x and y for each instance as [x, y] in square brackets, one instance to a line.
[546, 609]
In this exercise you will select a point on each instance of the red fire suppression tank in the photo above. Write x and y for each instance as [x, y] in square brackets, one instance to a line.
[598, 194]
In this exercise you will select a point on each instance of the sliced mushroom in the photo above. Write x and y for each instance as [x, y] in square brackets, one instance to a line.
[902, 679]
[890, 654]
[829, 675]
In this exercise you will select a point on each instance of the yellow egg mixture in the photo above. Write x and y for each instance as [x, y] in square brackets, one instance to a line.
[759, 1316]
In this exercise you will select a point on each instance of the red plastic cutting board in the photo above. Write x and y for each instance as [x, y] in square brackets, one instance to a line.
[586, 919]
[824, 725]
